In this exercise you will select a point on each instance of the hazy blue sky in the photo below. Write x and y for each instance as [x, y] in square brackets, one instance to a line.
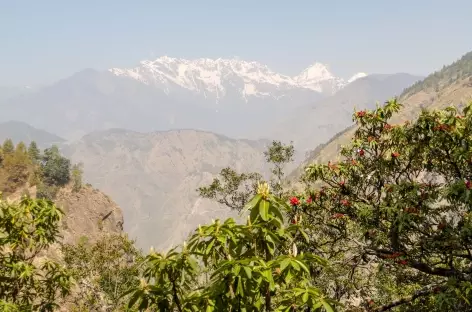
[42, 41]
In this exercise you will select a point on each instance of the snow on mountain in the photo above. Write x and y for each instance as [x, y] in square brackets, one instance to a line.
[216, 78]
[356, 76]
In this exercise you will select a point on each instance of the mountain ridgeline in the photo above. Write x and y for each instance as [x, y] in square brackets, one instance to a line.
[125, 126]
[208, 95]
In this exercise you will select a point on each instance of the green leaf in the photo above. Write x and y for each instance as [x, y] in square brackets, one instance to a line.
[248, 272]
[327, 306]
[284, 263]
[264, 210]
[253, 202]
[295, 265]
[305, 297]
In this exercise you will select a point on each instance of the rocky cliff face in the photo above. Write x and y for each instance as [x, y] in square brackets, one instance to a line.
[88, 212]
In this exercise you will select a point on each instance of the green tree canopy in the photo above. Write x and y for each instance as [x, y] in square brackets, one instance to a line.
[8, 146]
[34, 152]
[55, 167]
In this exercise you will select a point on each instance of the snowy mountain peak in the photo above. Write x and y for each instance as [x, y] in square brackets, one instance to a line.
[356, 76]
[316, 71]
[217, 77]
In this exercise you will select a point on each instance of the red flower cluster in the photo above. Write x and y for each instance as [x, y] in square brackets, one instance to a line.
[395, 154]
[468, 184]
[361, 114]
[345, 202]
[410, 210]
[309, 200]
[342, 183]
[394, 255]
[332, 166]
[338, 215]
[294, 201]
[361, 152]
[403, 262]
[387, 127]
[442, 127]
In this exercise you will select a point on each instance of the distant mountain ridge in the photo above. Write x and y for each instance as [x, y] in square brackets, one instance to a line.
[313, 124]
[451, 85]
[154, 176]
[218, 78]
[168, 93]
[22, 132]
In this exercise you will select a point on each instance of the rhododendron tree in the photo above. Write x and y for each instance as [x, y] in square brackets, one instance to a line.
[397, 209]
[244, 267]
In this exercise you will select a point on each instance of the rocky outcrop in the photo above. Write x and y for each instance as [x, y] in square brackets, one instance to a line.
[89, 213]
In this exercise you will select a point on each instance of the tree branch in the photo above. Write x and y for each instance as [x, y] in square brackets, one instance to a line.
[420, 293]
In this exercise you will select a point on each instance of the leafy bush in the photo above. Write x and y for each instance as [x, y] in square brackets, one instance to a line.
[27, 229]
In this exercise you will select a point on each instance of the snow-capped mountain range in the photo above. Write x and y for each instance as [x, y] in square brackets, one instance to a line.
[216, 78]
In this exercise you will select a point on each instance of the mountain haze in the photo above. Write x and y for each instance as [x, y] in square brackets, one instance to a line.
[154, 176]
[20, 131]
[310, 125]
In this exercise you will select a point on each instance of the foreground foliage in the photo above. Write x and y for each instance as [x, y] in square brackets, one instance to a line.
[29, 282]
[103, 270]
[243, 267]
[398, 207]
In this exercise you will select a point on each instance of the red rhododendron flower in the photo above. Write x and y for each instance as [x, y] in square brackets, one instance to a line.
[361, 152]
[403, 262]
[395, 154]
[388, 126]
[338, 215]
[345, 202]
[294, 201]
[342, 183]
[468, 184]
[309, 200]
[361, 114]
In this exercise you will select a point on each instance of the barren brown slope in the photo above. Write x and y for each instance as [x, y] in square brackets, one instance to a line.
[450, 85]
[154, 177]
[87, 212]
